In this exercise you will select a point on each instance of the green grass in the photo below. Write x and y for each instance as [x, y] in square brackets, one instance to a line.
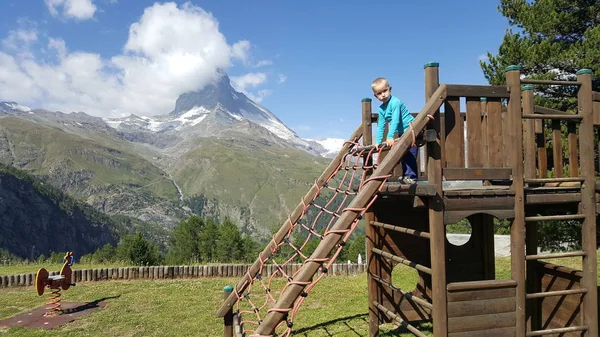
[337, 306]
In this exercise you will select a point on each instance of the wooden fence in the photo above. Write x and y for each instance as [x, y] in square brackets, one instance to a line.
[171, 272]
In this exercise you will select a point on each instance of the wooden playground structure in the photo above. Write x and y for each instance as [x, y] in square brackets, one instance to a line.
[406, 224]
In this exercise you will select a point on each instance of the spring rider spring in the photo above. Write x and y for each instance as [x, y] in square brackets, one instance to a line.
[55, 283]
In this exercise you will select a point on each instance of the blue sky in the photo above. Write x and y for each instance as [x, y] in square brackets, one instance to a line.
[309, 62]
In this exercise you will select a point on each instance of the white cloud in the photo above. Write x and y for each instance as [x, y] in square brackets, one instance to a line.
[282, 78]
[263, 63]
[75, 9]
[170, 50]
[244, 82]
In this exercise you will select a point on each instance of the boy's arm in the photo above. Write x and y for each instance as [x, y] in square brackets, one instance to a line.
[395, 122]
[380, 127]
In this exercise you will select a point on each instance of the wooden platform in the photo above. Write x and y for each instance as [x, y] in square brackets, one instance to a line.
[497, 200]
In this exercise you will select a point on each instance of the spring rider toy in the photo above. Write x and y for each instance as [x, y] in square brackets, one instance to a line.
[55, 283]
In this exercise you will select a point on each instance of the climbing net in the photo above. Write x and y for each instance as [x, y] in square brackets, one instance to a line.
[317, 221]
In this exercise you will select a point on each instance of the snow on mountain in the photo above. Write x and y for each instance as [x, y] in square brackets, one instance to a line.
[219, 100]
[14, 107]
[331, 146]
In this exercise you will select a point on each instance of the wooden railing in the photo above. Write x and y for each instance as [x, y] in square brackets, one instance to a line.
[171, 272]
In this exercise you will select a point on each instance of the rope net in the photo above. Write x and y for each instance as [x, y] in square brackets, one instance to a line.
[304, 236]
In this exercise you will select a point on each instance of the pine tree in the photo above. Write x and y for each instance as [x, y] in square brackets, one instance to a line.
[553, 39]
[185, 240]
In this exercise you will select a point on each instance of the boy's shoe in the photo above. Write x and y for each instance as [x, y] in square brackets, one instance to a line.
[407, 180]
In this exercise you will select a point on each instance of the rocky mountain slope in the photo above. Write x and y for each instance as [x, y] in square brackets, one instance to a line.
[217, 154]
[36, 218]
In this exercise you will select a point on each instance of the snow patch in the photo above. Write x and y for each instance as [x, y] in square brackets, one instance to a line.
[19, 107]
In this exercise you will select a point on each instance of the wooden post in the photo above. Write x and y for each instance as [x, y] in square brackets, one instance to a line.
[517, 230]
[531, 237]
[573, 156]
[484, 135]
[528, 133]
[588, 202]
[228, 318]
[437, 229]
[371, 259]
[540, 141]
[474, 136]
[557, 154]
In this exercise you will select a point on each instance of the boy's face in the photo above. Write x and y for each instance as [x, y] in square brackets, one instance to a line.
[383, 92]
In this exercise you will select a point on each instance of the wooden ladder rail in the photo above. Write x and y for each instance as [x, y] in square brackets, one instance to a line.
[588, 205]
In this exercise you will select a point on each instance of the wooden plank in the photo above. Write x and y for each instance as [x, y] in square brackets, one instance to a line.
[569, 117]
[423, 190]
[451, 217]
[550, 82]
[596, 96]
[481, 204]
[453, 173]
[481, 307]
[540, 143]
[480, 285]
[454, 151]
[588, 203]
[484, 136]
[477, 91]
[557, 154]
[482, 322]
[500, 332]
[572, 150]
[528, 136]
[474, 136]
[494, 134]
[596, 109]
[558, 198]
[546, 111]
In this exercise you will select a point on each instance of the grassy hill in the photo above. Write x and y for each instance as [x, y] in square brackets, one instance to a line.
[268, 180]
[244, 177]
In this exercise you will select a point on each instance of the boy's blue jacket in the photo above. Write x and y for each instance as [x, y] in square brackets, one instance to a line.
[396, 114]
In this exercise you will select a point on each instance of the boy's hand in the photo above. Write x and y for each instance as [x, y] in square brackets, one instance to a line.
[389, 142]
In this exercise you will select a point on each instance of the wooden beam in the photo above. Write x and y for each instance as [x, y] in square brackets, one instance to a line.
[596, 96]
[547, 111]
[514, 131]
[485, 284]
[437, 228]
[588, 201]
[550, 82]
[489, 91]
[529, 134]
[451, 173]
[421, 190]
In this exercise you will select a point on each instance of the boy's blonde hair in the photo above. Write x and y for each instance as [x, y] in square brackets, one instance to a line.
[378, 82]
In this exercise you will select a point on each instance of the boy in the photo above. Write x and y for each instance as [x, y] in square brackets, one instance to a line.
[393, 111]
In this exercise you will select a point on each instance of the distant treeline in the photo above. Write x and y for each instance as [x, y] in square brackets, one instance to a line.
[199, 240]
